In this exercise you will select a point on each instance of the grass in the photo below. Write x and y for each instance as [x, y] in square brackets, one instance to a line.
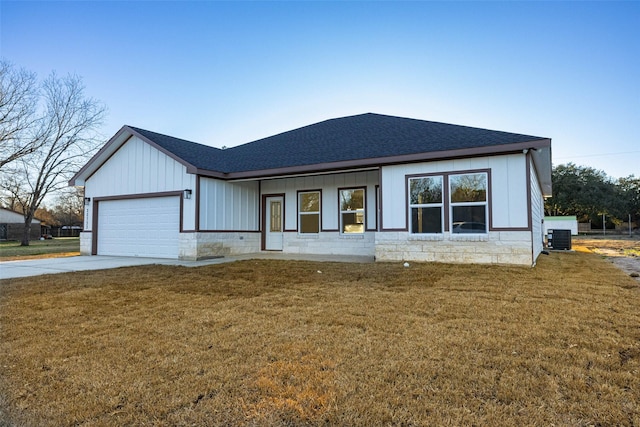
[623, 245]
[60, 246]
[303, 343]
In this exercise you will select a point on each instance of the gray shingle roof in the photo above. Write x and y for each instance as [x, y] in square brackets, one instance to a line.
[364, 136]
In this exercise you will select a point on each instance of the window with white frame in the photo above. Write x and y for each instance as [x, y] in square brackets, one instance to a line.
[425, 204]
[468, 203]
[352, 211]
[309, 212]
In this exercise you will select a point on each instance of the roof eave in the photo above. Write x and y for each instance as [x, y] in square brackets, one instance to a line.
[111, 147]
[537, 144]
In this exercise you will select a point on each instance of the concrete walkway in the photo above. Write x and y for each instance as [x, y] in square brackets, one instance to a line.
[36, 267]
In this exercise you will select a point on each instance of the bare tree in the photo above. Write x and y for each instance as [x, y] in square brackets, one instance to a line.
[18, 119]
[69, 208]
[67, 131]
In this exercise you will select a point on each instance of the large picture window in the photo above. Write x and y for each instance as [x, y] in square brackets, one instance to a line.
[425, 204]
[352, 211]
[309, 212]
[468, 203]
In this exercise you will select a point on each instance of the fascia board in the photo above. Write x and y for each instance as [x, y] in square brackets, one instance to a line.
[113, 145]
[390, 160]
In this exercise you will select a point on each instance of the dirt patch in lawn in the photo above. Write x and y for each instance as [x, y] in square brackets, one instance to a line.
[37, 249]
[622, 252]
[41, 256]
[302, 343]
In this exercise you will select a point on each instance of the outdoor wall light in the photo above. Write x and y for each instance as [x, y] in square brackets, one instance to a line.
[187, 194]
[87, 200]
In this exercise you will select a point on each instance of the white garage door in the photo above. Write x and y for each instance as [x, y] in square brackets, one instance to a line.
[146, 227]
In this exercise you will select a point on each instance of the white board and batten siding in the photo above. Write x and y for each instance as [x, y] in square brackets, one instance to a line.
[137, 218]
[508, 190]
[229, 206]
[537, 213]
[329, 185]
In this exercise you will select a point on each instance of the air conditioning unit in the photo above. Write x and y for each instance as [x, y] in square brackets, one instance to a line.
[559, 239]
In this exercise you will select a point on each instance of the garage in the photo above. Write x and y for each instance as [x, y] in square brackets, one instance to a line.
[145, 227]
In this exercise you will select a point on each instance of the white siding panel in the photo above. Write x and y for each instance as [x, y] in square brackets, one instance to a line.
[537, 214]
[514, 189]
[227, 206]
[330, 216]
[508, 188]
[501, 197]
[138, 168]
[329, 185]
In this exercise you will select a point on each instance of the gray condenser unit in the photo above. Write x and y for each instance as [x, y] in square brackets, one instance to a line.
[559, 239]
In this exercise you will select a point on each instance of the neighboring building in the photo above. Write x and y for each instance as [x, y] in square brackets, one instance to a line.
[561, 223]
[12, 226]
[395, 188]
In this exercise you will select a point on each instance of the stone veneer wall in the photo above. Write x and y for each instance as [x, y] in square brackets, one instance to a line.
[85, 242]
[498, 247]
[329, 243]
[203, 245]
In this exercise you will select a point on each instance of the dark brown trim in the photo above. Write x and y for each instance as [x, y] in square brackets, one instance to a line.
[446, 203]
[107, 159]
[116, 140]
[263, 222]
[445, 193]
[96, 209]
[298, 210]
[389, 160]
[489, 196]
[259, 213]
[182, 214]
[490, 202]
[510, 229]
[140, 196]
[190, 168]
[100, 152]
[94, 228]
[197, 198]
[229, 231]
[376, 207]
[330, 230]
[364, 206]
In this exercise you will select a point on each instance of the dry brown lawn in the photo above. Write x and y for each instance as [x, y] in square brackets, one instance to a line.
[302, 343]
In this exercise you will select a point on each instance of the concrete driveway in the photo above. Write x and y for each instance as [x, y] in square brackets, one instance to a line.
[36, 267]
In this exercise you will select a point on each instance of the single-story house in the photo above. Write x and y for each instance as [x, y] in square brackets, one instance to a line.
[12, 226]
[370, 184]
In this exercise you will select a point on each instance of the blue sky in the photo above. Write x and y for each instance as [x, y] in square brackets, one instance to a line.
[226, 73]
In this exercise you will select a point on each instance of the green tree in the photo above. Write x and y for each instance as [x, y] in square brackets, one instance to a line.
[586, 193]
[630, 191]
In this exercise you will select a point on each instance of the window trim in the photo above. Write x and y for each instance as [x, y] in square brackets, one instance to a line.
[485, 203]
[440, 205]
[447, 214]
[364, 210]
[299, 212]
